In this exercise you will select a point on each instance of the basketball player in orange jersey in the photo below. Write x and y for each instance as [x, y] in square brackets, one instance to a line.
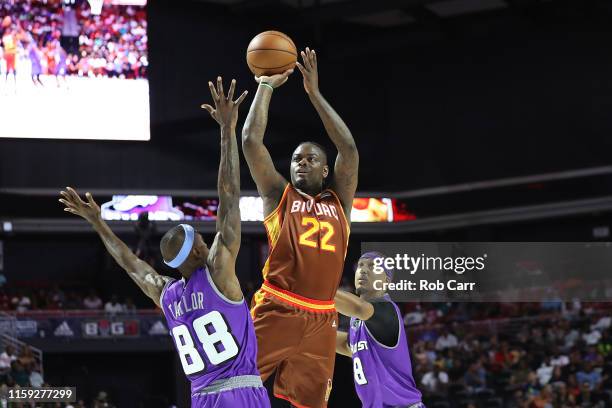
[9, 40]
[308, 225]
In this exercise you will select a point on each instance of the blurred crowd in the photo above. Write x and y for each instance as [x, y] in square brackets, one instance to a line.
[468, 355]
[549, 354]
[62, 39]
[544, 358]
[27, 299]
[563, 359]
[20, 368]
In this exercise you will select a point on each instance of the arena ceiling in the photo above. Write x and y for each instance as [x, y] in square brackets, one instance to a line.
[397, 13]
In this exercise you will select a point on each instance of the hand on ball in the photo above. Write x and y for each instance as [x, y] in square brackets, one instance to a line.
[274, 80]
[309, 71]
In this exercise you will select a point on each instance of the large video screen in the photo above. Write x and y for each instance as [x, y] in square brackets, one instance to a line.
[171, 208]
[74, 69]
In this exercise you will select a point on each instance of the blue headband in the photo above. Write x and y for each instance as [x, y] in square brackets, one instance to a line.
[185, 249]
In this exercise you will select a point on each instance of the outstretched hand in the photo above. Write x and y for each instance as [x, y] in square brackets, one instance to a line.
[74, 205]
[225, 111]
[309, 71]
[274, 80]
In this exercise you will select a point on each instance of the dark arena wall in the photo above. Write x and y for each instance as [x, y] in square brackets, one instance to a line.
[473, 98]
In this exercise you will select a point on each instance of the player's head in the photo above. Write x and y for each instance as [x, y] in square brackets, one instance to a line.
[309, 167]
[184, 249]
[369, 270]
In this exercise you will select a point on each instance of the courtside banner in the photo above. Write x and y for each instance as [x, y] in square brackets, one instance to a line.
[547, 272]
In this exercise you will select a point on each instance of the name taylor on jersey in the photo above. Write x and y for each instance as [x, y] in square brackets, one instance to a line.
[186, 305]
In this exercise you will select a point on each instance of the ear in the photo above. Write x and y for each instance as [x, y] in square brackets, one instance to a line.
[325, 171]
[387, 280]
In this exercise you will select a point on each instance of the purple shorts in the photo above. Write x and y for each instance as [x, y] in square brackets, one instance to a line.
[255, 397]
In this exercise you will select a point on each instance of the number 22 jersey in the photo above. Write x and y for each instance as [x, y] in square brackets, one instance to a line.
[308, 239]
[213, 335]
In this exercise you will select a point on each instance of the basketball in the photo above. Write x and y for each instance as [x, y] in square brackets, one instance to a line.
[6, 21]
[271, 52]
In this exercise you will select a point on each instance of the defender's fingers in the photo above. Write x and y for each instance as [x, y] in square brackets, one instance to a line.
[74, 195]
[66, 195]
[230, 94]
[90, 199]
[67, 203]
[213, 91]
[220, 86]
[241, 98]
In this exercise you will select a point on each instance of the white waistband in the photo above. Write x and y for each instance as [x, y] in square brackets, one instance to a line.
[226, 384]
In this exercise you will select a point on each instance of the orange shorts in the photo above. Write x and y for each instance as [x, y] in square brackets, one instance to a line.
[10, 62]
[296, 336]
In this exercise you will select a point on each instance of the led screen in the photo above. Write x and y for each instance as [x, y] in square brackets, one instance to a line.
[67, 73]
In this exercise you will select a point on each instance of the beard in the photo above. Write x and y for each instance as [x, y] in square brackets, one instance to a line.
[308, 186]
[302, 184]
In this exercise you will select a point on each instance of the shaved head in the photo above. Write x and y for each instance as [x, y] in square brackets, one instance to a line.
[171, 242]
[309, 168]
[319, 147]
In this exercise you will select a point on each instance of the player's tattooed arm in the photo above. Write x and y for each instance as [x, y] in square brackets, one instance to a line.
[353, 306]
[270, 183]
[225, 113]
[342, 346]
[149, 281]
[224, 250]
[346, 167]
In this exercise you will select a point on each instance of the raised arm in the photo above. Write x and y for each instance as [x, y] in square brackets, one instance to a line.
[270, 183]
[346, 168]
[149, 281]
[353, 306]
[224, 250]
[342, 346]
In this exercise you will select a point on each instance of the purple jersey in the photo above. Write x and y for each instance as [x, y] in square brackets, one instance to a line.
[383, 375]
[213, 335]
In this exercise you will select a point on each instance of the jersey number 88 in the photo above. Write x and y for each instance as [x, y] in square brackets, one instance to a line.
[221, 335]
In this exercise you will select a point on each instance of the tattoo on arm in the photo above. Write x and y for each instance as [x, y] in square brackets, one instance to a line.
[224, 250]
[228, 185]
[147, 279]
[270, 183]
[346, 167]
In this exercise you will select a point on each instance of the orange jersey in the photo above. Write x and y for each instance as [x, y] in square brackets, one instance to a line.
[308, 239]
[10, 45]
